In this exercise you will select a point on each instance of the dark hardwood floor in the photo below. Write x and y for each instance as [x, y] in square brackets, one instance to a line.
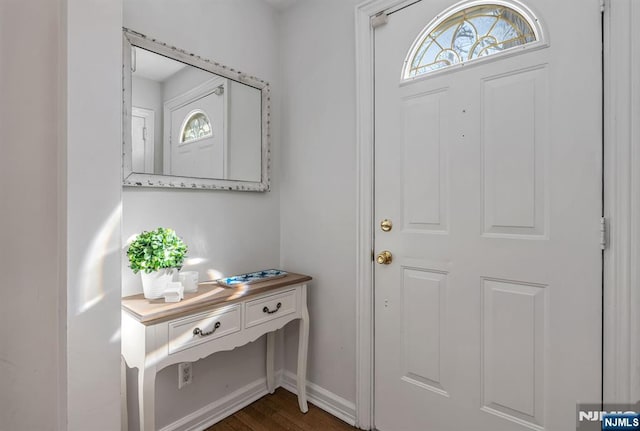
[280, 412]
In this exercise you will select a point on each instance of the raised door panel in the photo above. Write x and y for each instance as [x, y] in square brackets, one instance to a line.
[514, 141]
[424, 313]
[513, 350]
[425, 171]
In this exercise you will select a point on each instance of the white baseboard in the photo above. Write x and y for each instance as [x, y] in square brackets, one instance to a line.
[237, 400]
[322, 398]
[221, 408]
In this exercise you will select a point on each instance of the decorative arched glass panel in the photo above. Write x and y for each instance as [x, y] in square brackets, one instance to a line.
[464, 34]
[196, 126]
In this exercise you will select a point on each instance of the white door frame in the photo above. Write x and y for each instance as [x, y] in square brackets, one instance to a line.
[622, 205]
[149, 139]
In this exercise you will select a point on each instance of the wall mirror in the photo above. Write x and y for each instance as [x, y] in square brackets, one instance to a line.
[189, 122]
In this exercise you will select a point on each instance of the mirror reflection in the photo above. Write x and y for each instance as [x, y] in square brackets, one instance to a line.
[190, 122]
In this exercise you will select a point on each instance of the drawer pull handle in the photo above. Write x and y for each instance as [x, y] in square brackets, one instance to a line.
[199, 332]
[266, 309]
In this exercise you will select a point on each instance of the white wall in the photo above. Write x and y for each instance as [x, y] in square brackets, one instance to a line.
[245, 132]
[318, 177]
[182, 81]
[231, 232]
[32, 319]
[60, 179]
[94, 101]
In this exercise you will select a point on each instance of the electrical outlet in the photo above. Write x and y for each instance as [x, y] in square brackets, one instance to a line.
[185, 374]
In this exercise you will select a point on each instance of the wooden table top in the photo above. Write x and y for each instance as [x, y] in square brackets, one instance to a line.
[210, 293]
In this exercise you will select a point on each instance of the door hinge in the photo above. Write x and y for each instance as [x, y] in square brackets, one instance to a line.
[602, 5]
[380, 19]
[603, 233]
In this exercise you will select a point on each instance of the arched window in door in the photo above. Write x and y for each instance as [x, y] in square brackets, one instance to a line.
[195, 126]
[469, 31]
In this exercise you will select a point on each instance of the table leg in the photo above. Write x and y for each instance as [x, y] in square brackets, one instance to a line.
[271, 353]
[303, 345]
[146, 398]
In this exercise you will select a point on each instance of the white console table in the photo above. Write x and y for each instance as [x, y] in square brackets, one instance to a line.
[156, 334]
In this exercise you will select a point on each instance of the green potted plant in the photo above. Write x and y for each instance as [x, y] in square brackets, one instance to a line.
[156, 255]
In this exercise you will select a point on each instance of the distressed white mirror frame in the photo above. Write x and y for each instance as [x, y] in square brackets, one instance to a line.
[134, 179]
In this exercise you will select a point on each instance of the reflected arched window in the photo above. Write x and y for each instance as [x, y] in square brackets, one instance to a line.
[196, 126]
[468, 33]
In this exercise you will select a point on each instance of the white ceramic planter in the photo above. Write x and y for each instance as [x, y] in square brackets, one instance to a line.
[155, 283]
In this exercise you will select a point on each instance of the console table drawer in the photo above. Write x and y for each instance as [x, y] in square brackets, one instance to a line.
[201, 328]
[270, 308]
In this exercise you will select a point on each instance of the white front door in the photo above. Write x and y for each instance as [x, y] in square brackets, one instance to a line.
[202, 157]
[488, 317]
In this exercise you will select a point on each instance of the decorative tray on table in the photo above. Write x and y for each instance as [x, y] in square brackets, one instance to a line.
[252, 277]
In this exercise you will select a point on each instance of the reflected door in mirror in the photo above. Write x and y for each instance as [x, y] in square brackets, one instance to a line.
[196, 139]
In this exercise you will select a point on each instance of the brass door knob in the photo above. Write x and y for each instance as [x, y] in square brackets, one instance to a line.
[384, 258]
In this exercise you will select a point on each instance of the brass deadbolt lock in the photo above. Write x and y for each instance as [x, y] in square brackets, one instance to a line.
[386, 225]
